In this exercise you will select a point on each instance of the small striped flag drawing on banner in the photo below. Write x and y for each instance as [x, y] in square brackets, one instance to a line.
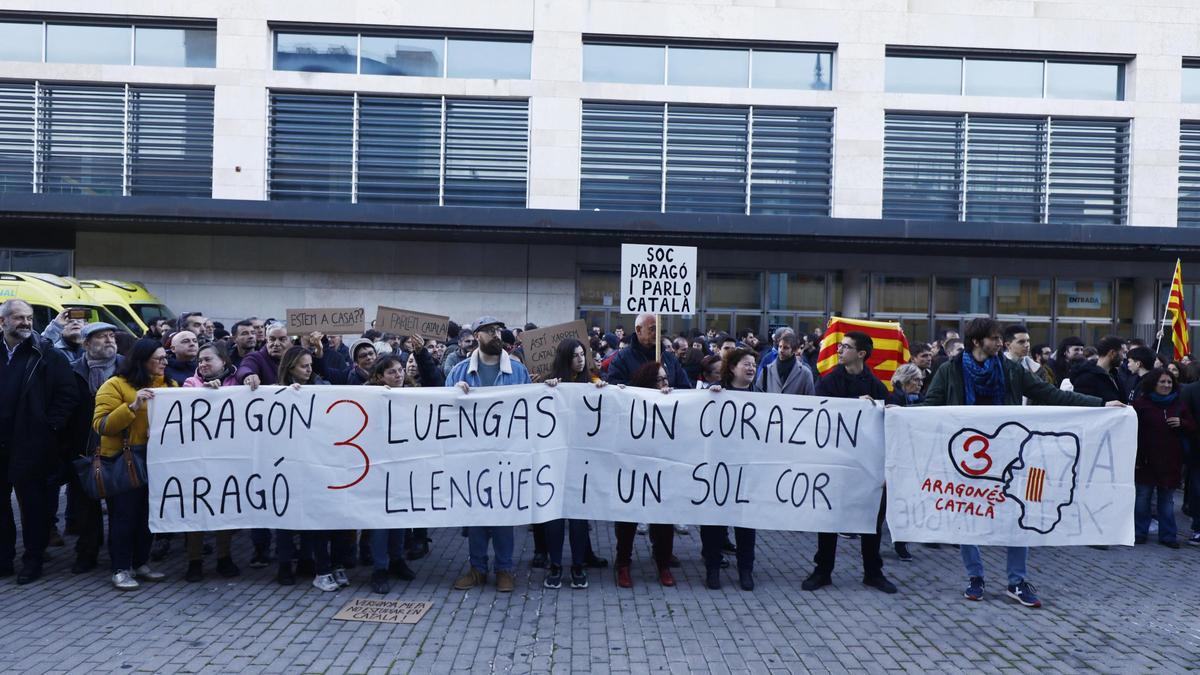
[1034, 484]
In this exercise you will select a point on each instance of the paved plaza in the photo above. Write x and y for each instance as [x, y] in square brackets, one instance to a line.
[1116, 610]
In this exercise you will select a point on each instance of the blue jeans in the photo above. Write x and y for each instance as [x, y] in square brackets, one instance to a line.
[1017, 555]
[580, 545]
[501, 537]
[1167, 531]
[386, 545]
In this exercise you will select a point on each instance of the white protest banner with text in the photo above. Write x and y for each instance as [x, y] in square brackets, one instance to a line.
[333, 457]
[1011, 475]
[658, 279]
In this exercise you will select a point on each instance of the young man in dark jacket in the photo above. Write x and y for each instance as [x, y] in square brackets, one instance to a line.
[36, 400]
[1099, 379]
[851, 378]
[982, 376]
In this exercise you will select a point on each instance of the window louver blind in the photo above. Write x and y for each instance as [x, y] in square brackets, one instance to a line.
[791, 167]
[311, 147]
[622, 160]
[487, 148]
[16, 136]
[922, 166]
[1006, 177]
[1089, 171]
[1189, 174]
[399, 149]
[170, 142]
[81, 139]
[706, 159]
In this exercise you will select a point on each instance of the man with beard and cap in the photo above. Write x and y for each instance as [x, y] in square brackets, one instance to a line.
[489, 365]
[64, 333]
[640, 352]
[37, 397]
[100, 362]
[185, 345]
[262, 366]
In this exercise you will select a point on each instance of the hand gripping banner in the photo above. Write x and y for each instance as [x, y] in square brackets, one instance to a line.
[1011, 475]
[334, 457]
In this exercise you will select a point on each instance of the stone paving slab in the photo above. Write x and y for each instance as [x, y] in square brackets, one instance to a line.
[1117, 610]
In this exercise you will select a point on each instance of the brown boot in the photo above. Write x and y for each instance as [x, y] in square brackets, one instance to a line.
[470, 580]
[504, 582]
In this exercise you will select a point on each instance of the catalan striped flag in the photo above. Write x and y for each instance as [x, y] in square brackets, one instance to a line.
[890, 352]
[1035, 484]
[1179, 322]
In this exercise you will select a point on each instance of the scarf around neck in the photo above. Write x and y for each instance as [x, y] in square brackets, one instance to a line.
[99, 370]
[983, 380]
[1163, 401]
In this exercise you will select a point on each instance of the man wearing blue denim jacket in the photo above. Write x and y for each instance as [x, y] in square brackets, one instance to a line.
[488, 366]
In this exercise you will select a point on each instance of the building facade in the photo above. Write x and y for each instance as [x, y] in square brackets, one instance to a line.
[925, 161]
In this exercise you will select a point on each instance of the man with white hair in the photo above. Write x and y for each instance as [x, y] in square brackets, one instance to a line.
[262, 366]
[37, 396]
[640, 352]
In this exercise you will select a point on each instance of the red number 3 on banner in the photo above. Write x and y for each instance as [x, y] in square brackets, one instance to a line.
[349, 442]
[981, 453]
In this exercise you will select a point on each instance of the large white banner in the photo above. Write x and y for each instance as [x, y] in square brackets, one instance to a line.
[331, 457]
[1011, 475]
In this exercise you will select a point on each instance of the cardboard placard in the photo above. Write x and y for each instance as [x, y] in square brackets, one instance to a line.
[383, 611]
[407, 322]
[328, 320]
[539, 345]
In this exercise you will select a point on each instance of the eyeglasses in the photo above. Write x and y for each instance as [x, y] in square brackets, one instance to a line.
[844, 345]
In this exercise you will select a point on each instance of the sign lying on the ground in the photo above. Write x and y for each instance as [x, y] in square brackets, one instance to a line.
[383, 611]
[329, 320]
[658, 279]
[407, 322]
[336, 457]
[1011, 475]
[539, 345]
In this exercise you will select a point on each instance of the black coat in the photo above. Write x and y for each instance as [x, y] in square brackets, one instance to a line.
[44, 404]
[80, 439]
[838, 383]
[1093, 380]
[628, 360]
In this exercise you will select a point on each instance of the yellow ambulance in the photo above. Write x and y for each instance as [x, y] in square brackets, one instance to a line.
[128, 300]
[50, 294]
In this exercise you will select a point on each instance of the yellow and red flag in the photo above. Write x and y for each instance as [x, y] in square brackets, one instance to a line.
[890, 346]
[1179, 323]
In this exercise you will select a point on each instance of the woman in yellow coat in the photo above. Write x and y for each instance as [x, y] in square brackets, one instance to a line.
[121, 415]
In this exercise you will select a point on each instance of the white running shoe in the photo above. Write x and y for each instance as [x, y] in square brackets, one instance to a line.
[325, 582]
[124, 581]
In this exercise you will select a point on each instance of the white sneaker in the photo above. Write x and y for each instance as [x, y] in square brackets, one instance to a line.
[643, 528]
[326, 583]
[682, 529]
[144, 572]
[339, 575]
[124, 581]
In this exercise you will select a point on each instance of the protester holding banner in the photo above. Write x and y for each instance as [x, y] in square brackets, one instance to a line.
[262, 366]
[570, 365]
[651, 375]
[388, 545]
[122, 421]
[851, 378]
[907, 383]
[488, 366]
[738, 369]
[213, 371]
[1164, 423]
[982, 376]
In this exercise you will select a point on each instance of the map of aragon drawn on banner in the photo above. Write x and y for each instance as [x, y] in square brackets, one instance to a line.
[1038, 470]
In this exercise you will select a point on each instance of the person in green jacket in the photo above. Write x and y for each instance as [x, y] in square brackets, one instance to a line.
[984, 376]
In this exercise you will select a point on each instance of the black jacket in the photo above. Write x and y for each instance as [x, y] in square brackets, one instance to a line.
[45, 401]
[180, 370]
[838, 383]
[1093, 380]
[629, 359]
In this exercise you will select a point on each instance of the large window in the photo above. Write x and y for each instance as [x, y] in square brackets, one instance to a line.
[707, 65]
[719, 159]
[1189, 173]
[1013, 169]
[434, 151]
[105, 140]
[36, 260]
[1033, 76]
[415, 53]
[1191, 81]
[182, 44]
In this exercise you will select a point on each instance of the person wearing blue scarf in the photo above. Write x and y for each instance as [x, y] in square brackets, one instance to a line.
[983, 376]
[1164, 423]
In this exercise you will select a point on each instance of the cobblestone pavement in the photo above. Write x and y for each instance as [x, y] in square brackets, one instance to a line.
[1117, 610]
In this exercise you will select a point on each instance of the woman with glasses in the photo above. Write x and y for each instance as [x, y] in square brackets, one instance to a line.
[907, 383]
[121, 420]
[650, 375]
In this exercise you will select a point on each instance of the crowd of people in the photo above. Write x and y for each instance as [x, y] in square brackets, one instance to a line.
[78, 389]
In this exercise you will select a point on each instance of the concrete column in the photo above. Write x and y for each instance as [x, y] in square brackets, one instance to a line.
[853, 294]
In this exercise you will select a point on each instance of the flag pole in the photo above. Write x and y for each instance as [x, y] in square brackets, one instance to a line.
[1166, 309]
